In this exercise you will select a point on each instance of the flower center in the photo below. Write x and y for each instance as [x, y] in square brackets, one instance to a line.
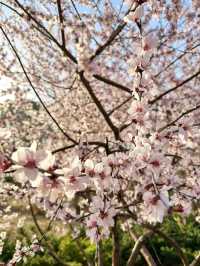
[91, 173]
[103, 214]
[154, 200]
[139, 109]
[102, 175]
[155, 163]
[30, 164]
[93, 224]
[72, 179]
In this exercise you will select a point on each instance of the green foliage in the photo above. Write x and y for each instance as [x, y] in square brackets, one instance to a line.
[77, 252]
[8, 250]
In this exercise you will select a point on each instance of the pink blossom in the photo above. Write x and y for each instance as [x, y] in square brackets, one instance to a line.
[27, 161]
[51, 187]
[103, 178]
[155, 206]
[74, 178]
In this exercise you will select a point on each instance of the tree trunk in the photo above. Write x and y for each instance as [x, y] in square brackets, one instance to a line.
[116, 246]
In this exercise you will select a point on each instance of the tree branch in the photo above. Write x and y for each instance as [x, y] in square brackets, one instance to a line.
[99, 257]
[174, 88]
[65, 51]
[196, 261]
[113, 83]
[99, 106]
[91, 143]
[116, 245]
[120, 105]
[44, 31]
[136, 249]
[48, 246]
[32, 86]
[143, 250]
[179, 117]
[113, 35]
[172, 242]
[61, 22]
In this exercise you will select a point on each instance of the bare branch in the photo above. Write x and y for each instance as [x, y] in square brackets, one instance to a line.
[174, 88]
[32, 86]
[144, 251]
[120, 105]
[179, 117]
[66, 52]
[113, 35]
[91, 143]
[99, 105]
[172, 242]
[196, 261]
[99, 257]
[136, 249]
[44, 237]
[113, 83]
[116, 245]
[175, 60]
[61, 22]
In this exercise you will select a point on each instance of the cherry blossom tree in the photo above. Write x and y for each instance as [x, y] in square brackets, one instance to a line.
[113, 138]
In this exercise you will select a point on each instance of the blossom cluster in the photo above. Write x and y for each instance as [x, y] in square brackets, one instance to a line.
[141, 180]
[147, 176]
[22, 252]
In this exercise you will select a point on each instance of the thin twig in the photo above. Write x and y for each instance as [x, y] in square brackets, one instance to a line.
[65, 51]
[61, 22]
[48, 246]
[179, 117]
[171, 241]
[136, 249]
[35, 91]
[113, 35]
[174, 88]
[113, 83]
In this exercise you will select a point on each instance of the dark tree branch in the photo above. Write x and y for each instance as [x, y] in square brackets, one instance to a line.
[143, 250]
[99, 106]
[65, 51]
[120, 105]
[172, 242]
[32, 86]
[113, 35]
[113, 83]
[116, 245]
[91, 143]
[47, 34]
[175, 60]
[125, 126]
[196, 261]
[11, 8]
[41, 30]
[99, 255]
[76, 10]
[179, 117]
[136, 249]
[174, 88]
[61, 22]
[44, 237]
